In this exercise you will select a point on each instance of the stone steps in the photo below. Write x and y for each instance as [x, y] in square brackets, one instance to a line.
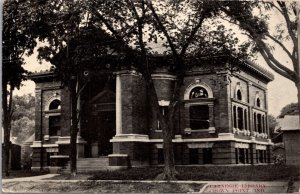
[88, 165]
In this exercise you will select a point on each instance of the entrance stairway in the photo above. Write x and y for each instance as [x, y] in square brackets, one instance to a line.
[85, 165]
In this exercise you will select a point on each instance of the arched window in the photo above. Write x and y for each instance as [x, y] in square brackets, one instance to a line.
[55, 104]
[239, 95]
[54, 121]
[258, 102]
[198, 92]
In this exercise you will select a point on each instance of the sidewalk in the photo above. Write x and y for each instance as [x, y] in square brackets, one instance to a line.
[209, 186]
[31, 178]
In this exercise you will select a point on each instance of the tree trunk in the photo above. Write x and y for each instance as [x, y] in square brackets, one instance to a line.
[7, 113]
[74, 128]
[169, 172]
[5, 127]
[298, 95]
[298, 58]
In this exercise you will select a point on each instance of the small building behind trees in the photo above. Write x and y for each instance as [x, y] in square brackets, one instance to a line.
[289, 125]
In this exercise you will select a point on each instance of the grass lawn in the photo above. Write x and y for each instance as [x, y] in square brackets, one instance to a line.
[206, 173]
[100, 187]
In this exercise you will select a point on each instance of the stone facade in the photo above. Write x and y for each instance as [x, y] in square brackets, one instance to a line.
[222, 118]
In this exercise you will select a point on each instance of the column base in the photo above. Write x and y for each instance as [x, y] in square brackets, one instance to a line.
[121, 160]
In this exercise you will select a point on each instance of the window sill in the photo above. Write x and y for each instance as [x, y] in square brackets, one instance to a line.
[189, 130]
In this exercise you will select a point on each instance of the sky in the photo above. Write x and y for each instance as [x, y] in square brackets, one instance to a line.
[281, 91]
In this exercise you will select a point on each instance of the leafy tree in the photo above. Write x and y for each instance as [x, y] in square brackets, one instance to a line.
[290, 109]
[137, 26]
[22, 125]
[266, 40]
[183, 39]
[272, 125]
[73, 46]
[16, 41]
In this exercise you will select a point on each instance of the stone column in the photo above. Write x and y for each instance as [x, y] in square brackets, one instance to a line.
[118, 105]
[243, 118]
[38, 114]
[246, 120]
[237, 116]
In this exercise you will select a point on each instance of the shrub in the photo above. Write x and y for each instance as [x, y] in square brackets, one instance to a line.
[207, 173]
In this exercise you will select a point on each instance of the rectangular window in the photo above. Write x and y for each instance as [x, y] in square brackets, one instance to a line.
[199, 117]
[54, 125]
[246, 120]
[240, 118]
[247, 156]
[194, 156]
[207, 155]
[260, 156]
[259, 123]
[160, 156]
[242, 155]
[234, 117]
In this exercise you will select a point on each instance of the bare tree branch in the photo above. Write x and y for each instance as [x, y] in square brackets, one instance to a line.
[193, 32]
[273, 63]
[162, 27]
[288, 21]
[282, 46]
[275, 68]
[273, 5]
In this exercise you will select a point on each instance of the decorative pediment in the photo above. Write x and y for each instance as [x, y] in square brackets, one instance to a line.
[105, 96]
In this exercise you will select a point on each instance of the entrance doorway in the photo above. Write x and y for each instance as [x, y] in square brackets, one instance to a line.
[106, 129]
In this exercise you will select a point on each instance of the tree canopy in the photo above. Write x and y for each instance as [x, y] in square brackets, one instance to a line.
[289, 109]
[79, 32]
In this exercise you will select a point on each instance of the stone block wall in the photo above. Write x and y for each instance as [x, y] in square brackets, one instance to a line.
[224, 153]
[138, 152]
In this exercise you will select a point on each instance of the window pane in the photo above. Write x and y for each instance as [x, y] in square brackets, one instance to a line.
[160, 156]
[194, 156]
[258, 102]
[198, 92]
[259, 123]
[234, 117]
[199, 117]
[54, 125]
[207, 156]
[55, 104]
[240, 118]
[241, 155]
[239, 95]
